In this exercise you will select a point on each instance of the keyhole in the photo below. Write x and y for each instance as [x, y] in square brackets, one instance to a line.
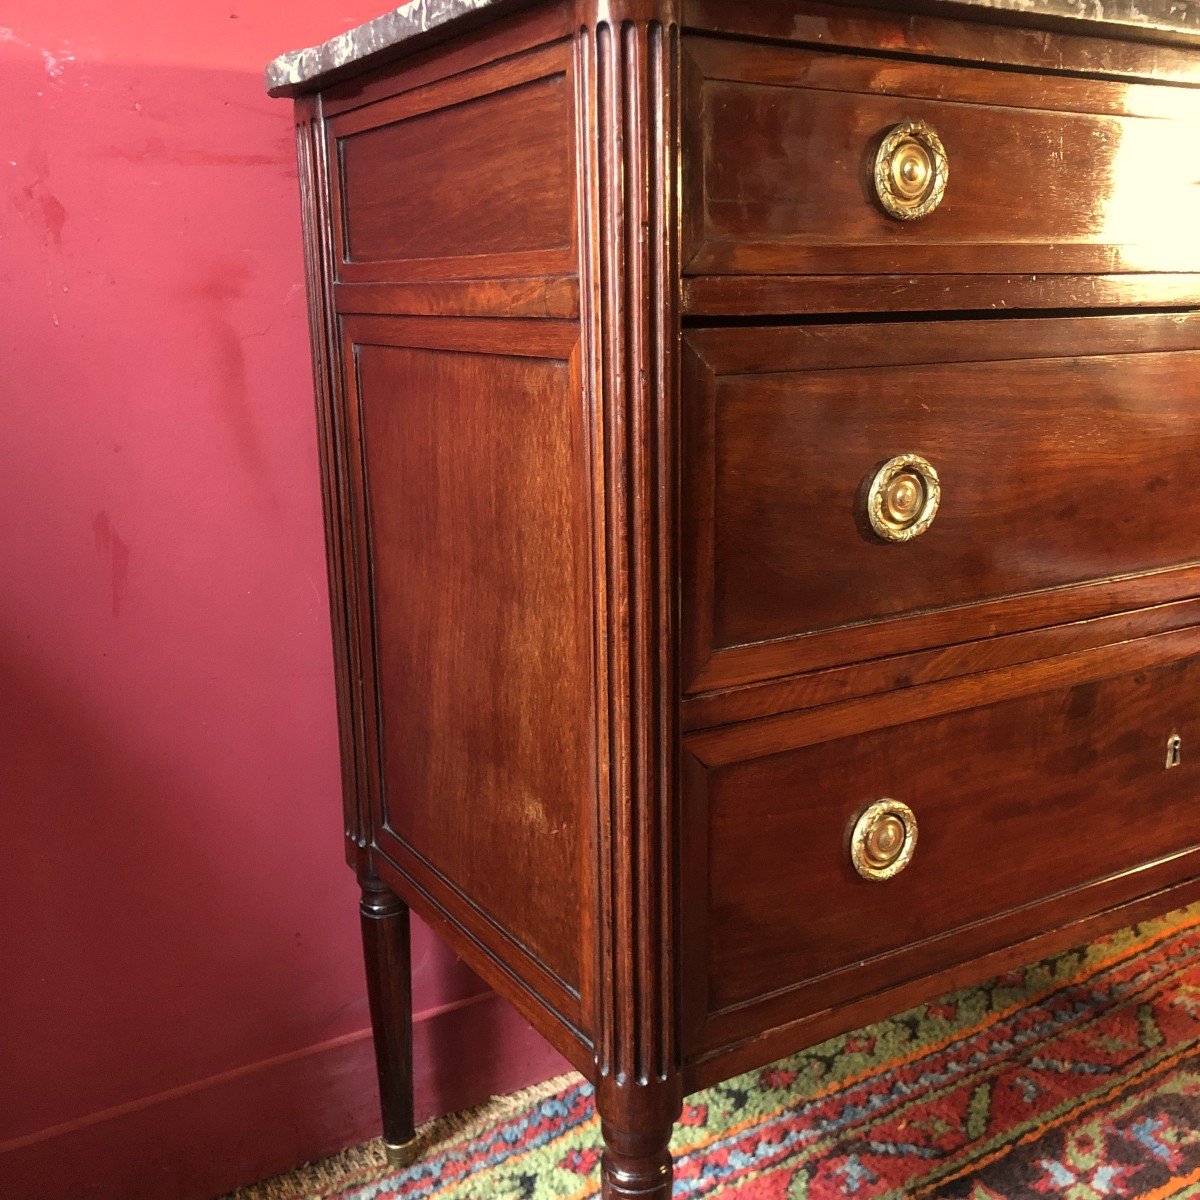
[1174, 751]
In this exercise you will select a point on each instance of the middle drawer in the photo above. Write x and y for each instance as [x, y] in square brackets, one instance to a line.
[1046, 467]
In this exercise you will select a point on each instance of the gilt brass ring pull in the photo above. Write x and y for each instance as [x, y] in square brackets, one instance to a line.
[904, 498]
[883, 840]
[911, 171]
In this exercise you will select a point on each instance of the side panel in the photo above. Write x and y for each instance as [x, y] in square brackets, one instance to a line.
[469, 442]
[457, 466]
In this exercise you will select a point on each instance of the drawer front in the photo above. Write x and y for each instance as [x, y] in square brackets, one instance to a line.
[1043, 173]
[1030, 812]
[1065, 452]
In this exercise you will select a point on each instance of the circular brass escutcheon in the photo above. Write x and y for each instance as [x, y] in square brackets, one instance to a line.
[904, 498]
[883, 840]
[911, 171]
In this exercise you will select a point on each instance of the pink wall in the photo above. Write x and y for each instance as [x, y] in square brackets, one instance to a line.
[181, 1005]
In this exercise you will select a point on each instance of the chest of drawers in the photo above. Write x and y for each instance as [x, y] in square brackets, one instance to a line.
[760, 456]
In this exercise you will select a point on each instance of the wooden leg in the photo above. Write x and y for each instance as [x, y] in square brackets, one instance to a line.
[389, 989]
[636, 1164]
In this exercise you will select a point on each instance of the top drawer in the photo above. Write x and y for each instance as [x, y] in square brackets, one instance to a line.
[1045, 174]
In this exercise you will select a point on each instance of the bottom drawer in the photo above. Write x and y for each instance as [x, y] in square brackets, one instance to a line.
[1065, 788]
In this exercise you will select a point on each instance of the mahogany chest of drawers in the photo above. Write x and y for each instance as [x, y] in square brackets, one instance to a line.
[760, 447]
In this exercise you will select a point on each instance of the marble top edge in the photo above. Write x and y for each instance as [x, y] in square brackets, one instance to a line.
[299, 70]
[292, 71]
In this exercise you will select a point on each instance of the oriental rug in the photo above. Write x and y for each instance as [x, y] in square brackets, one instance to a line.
[1078, 1077]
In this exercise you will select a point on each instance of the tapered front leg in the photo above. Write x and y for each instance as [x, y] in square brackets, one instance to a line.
[636, 1163]
[389, 988]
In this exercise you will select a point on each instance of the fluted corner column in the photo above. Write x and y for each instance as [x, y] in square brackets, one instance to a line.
[627, 56]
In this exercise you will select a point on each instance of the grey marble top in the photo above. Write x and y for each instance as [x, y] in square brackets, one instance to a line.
[299, 70]
[302, 70]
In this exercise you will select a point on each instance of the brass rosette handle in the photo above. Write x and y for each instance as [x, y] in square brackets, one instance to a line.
[911, 171]
[883, 841]
[904, 498]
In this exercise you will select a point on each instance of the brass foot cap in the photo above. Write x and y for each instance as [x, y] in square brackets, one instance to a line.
[403, 1155]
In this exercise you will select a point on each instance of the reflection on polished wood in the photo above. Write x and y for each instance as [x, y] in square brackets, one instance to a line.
[1051, 175]
[765, 562]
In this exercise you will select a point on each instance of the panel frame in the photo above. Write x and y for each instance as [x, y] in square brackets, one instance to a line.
[548, 62]
[560, 1010]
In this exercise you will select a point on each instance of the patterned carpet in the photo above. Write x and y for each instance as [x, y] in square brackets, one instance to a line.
[1077, 1078]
